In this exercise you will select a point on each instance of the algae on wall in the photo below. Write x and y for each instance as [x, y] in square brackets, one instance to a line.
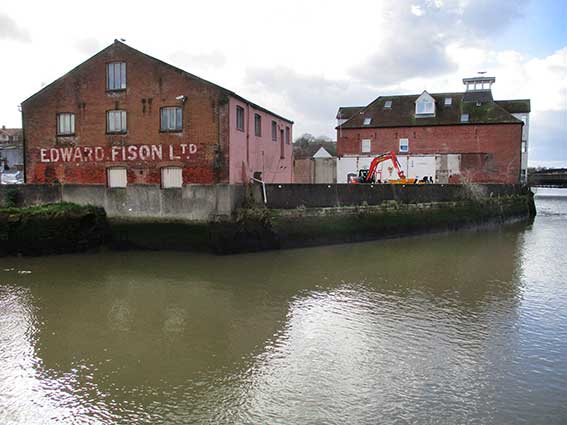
[51, 229]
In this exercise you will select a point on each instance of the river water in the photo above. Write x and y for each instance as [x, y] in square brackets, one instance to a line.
[468, 327]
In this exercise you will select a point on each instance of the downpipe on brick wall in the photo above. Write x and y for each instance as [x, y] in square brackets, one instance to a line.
[265, 196]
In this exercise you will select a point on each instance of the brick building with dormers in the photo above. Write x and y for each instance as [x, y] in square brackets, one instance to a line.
[123, 117]
[446, 137]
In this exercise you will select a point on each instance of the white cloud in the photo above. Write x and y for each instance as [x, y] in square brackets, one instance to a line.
[10, 30]
[417, 10]
[302, 60]
[88, 45]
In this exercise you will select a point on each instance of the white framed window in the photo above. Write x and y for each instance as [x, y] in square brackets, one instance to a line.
[367, 121]
[274, 131]
[116, 76]
[65, 124]
[171, 118]
[404, 145]
[171, 177]
[366, 145]
[388, 104]
[239, 118]
[425, 107]
[116, 122]
[464, 117]
[448, 101]
[117, 177]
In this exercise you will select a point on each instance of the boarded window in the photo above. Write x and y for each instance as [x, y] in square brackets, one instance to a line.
[116, 122]
[366, 143]
[274, 131]
[257, 125]
[171, 119]
[116, 76]
[240, 118]
[404, 145]
[171, 177]
[117, 177]
[65, 124]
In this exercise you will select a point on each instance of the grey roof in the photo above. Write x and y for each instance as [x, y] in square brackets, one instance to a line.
[402, 112]
[515, 106]
[478, 96]
[346, 112]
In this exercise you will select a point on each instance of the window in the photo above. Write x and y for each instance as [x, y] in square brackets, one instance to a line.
[388, 104]
[239, 118]
[367, 121]
[448, 101]
[171, 177]
[117, 177]
[287, 138]
[404, 145]
[274, 131]
[365, 145]
[65, 124]
[116, 76]
[524, 146]
[425, 106]
[257, 125]
[116, 121]
[171, 119]
[464, 117]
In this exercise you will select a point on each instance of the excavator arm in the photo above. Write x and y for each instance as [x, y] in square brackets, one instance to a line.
[368, 176]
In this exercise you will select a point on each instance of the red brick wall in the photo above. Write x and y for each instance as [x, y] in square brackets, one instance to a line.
[150, 86]
[490, 153]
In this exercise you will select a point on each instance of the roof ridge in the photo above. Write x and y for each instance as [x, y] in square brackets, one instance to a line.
[117, 42]
[503, 109]
[364, 108]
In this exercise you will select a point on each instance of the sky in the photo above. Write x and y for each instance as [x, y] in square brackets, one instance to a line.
[304, 58]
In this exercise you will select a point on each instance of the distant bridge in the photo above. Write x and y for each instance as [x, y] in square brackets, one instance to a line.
[551, 178]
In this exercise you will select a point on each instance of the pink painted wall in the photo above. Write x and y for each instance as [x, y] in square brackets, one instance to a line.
[249, 153]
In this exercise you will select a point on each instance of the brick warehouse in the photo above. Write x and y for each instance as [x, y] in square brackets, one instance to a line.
[449, 137]
[123, 117]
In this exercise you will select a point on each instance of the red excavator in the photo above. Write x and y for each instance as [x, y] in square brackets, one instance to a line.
[369, 176]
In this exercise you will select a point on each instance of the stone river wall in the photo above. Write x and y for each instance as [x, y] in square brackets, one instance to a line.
[231, 218]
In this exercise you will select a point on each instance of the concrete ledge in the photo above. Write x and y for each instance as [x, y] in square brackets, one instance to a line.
[337, 195]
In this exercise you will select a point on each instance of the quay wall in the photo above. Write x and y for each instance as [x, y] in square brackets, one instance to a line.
[228, 219]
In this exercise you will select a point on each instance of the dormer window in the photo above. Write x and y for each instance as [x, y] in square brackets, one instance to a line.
[464, 117]
[448, 101]
[425, 105]
[388, 104]
[367, 121]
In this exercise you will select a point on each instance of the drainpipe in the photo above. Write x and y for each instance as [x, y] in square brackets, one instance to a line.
[265, 196]
[24, 146]
[247, 137]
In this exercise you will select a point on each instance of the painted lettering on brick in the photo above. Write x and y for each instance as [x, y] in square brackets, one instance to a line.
[118, 153]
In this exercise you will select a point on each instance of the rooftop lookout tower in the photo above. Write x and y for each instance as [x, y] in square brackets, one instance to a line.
[478, 89]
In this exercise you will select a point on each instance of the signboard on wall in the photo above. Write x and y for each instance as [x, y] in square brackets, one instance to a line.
[118, 153]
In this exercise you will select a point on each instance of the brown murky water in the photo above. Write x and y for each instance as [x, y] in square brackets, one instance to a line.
[460, 328]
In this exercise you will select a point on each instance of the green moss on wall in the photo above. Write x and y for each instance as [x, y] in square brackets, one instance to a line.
[52, 228]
